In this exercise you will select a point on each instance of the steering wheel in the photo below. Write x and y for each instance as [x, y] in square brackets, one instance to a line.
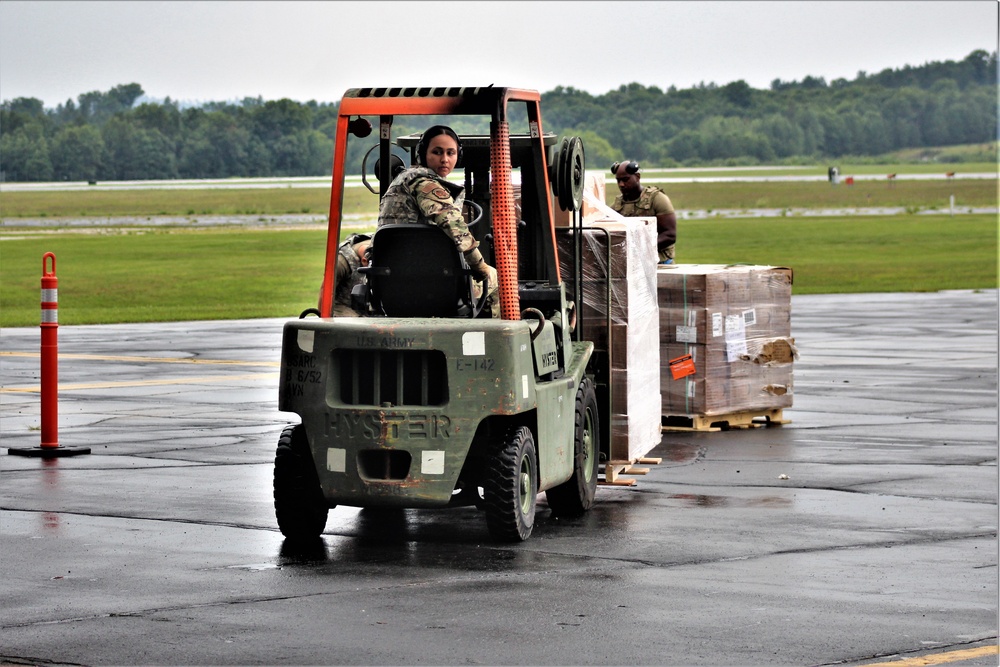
[395, 163]
[477, 211]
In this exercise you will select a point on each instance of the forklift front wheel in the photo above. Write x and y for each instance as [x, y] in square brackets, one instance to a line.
[299, 505]
[511, 487]
[576, 496]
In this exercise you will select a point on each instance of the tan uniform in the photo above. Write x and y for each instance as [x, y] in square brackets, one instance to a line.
[651, 202]
[347, 276]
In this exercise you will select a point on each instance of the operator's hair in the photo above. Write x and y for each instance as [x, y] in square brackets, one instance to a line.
[425, 140]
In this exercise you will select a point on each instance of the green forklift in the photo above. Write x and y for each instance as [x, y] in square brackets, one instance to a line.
[427, 402]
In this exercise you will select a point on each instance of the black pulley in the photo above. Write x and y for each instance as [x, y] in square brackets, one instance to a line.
[560, 164]
[571, 174]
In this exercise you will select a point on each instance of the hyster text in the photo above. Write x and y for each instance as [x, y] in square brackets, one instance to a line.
[368, 426]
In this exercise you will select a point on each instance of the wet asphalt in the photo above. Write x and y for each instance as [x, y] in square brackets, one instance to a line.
[160, 546]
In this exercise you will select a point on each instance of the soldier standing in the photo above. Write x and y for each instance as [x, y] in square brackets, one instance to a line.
[636, 201]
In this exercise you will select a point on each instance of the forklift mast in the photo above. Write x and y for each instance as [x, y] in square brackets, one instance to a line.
[491, 180]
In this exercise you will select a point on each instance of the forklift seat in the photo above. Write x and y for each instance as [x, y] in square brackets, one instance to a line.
[416, 270]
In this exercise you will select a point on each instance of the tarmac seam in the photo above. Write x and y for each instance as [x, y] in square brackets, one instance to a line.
[140, 613]
[770, 554]
[22, 660]
[180, 463]
[974, 501]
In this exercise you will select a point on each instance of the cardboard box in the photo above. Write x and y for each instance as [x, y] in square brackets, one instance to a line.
[735, 324]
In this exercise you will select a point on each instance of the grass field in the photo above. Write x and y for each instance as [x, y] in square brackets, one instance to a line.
[140, 273]
[231, 273]
[915, 195]
[910, 195]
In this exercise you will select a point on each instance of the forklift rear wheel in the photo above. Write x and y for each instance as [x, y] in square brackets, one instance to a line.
[576, 495]
[511, 487]
[299, 505]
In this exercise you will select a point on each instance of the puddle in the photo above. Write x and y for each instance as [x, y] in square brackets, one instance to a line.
[701, 500]
[254, 567]
[678, 452]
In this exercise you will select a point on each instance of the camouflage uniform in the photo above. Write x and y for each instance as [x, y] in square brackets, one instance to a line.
[651, 202]
[419, 194]
[347, 276]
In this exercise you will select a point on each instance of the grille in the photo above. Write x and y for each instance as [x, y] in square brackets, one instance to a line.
[391, 378]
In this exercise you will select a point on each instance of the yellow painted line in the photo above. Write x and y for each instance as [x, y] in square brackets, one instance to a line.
[940, 658]
[140, 383]
[148, 360]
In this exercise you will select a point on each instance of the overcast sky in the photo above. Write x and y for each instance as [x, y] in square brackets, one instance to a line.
[218, 51]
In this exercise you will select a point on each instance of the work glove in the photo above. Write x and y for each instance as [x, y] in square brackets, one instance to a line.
[475, 260]
[490, 280]
[493, 290]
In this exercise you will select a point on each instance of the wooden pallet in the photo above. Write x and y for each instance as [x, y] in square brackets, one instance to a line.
[742, 419]
[613, 469]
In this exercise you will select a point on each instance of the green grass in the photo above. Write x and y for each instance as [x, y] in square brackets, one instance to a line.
[901, 253]
[927, 194]
[157, 276]
[233, 273]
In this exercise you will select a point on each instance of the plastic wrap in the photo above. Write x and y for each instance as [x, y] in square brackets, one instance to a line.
[734, 322]
[619, 284]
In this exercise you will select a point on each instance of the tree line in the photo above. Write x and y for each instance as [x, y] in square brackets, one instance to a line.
[116, 135]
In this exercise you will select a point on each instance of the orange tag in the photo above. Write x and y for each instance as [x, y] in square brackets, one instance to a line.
[681, 366]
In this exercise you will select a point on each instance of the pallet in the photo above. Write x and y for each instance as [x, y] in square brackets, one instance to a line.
[612, 470]
[708, 423]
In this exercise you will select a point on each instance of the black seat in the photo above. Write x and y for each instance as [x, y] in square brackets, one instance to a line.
[417, 271]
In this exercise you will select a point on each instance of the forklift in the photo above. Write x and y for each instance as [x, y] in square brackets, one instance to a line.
[426, 401]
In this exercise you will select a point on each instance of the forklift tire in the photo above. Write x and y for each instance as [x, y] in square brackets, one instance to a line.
[576, 496]
[299, 505]
[511, 486]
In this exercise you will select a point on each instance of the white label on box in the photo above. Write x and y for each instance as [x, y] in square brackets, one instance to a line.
[736, 339]
[717, 329]
[749, 317]
[690, 389]
[687, 334]
[432, 462]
